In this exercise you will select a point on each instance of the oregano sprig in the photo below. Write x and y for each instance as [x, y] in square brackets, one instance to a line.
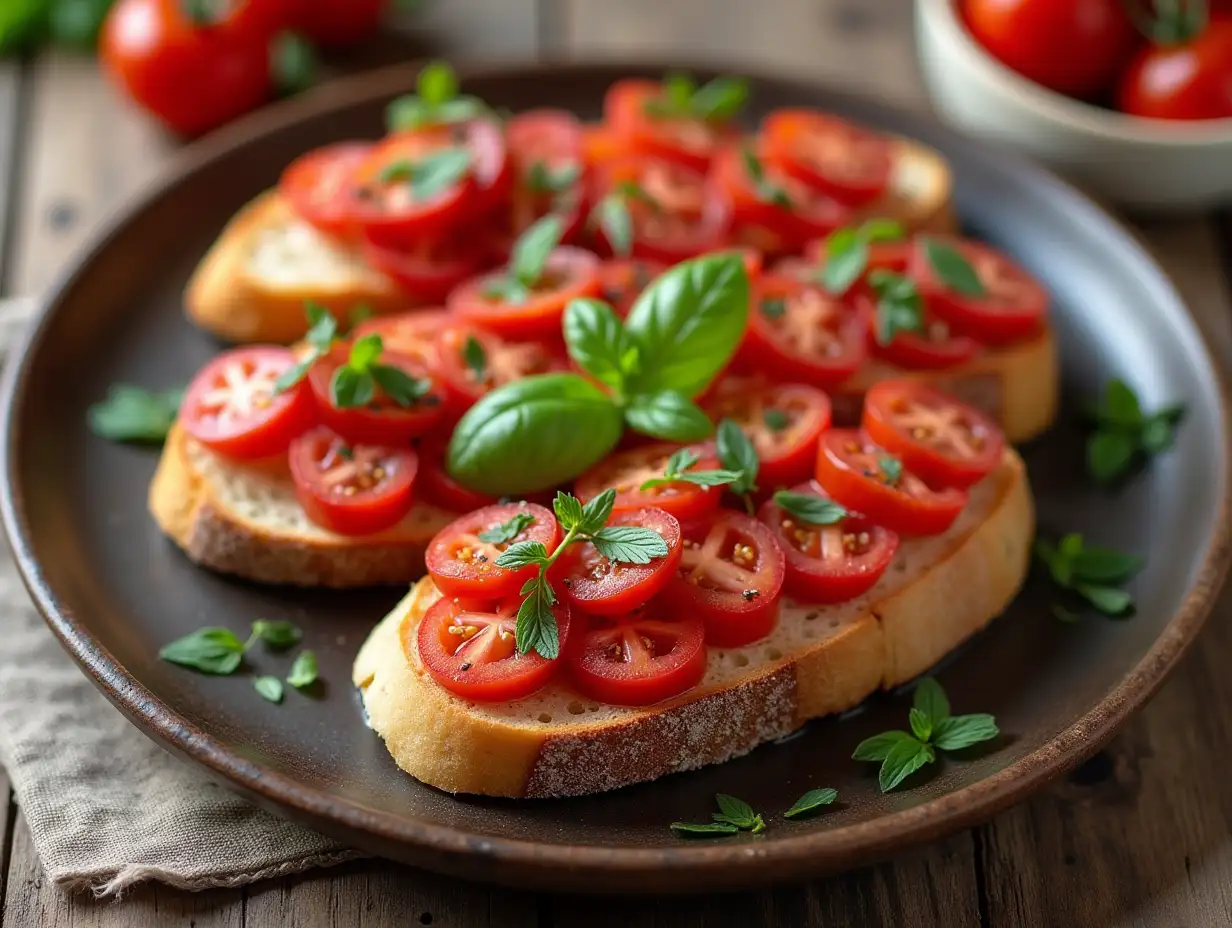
[716, 101]
[626, 544]
[1093, 573]
[355, 383]
[734, 815]
[1124, 434]
[436, 101]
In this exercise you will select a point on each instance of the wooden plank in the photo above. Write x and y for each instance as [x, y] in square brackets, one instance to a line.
[932, 887]
[863, 45]
[1138, 835]
[383, 895]
[32, 902]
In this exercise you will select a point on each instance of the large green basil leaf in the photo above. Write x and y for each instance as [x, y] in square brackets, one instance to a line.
[533, 434]
[688, 323]
[598, 343]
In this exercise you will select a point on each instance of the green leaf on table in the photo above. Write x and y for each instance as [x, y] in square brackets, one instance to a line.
[276, 633]
[813, 801]
[210, 650]
[134, 414]
[962, 731]
[904, 759]
[303, 670]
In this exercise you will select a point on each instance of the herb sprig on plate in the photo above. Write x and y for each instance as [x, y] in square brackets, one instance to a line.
[220, 651]
[134, 414]
[847, 252]
[1124, 433]
[436, 101]
[1093, 573]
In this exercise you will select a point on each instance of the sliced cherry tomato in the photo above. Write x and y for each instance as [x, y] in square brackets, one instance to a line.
[438, 488]
[351, 489]
[231, 407]
[412, 334]
[943, 441]
[839, 158]
[639, 658]
[935, 348]
[429, 269]
[545, 148]
[888, 256]
[469, 647]
[731, 574]
[474, 362]
[626, 471]
[386, 200]
[462, 563]
[1075, 47]
[829, 563]
[777, 213]
[570, 273]
[783, 423]
[602, 143]
[381, 421]
[320, 186]
[622, 280]
[798, 331]
[675, 213]
[629, 108]
[598, 586]
[868, 479]
[1013, 306]
[1192, 80]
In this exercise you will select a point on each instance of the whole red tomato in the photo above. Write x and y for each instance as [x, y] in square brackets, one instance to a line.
[1192, 80]
[1075, 47]
[338, 23]
[192, 75]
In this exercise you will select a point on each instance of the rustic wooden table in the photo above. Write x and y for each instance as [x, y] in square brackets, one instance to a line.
[1140, 835]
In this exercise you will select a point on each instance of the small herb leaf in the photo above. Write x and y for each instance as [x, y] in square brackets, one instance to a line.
[303, 670]
[1107, 599]
[954, 270]
[522, 554]
[210, 650]
[669, 416]
[508, 530]
[921, 726]
[270, 688]
[737, 454]
[629, 544]
[962, 731]
[1109, 455]
[878, 747]
[596, 512]
[350, 388]
[904, 759]
[569, 512]
[810, 508]
[704, 829]
[930, 699]
[133, 414]
[612, 216]
[277, 633]
[532, 249]
[812, 801]
[536, 624]
[1104, 565]
[475, 358]
[776, 420]
[597, 341]
[846, 260]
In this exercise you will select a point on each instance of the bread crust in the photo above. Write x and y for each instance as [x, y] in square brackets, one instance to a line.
[224, 298]
[899, 633]
[191, 507]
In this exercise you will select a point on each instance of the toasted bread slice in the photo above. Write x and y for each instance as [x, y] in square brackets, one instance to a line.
[244, 519]
[252, 283]
[818, 661]
[921, 191]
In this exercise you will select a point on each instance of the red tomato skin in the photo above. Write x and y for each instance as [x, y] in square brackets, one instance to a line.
[389, 425]
[462, 390]
[1075, 47]
[412, 333]
[731, 619]
[438, 488]
[425, 276]
[786, 133]
[685, 501]
[639, 583]
[153, 52]
[930, 465]
[888, 256]
[622, 280]
[692, 145]
[978, 317]
[912, 351]
[1192, 81]
[810, 579]
[339, 23]
[796, 462]
[884, 505]
[515, 677]
[484, 579]
[318, 186]
[678, 672]
[358, 515]
[287, 415]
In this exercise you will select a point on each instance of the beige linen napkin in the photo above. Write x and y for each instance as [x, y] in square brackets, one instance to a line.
[106, 806]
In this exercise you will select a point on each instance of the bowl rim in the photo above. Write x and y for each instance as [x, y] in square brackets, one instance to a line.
[941, 17]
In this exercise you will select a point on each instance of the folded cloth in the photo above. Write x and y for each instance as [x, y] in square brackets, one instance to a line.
[107, 807]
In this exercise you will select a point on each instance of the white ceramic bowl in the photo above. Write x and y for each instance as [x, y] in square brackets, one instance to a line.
[1137, 163]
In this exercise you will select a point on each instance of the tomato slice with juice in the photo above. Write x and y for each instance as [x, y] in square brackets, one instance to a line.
[839, 158]
[382, 421]
[462, 563]
[474, 362]
[598, 586]
[784, 424]
[626, 471]
[628, 108]
[320, 186]
[412, 334]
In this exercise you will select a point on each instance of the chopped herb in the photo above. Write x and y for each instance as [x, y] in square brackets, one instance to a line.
[508, 530]
[810, 508]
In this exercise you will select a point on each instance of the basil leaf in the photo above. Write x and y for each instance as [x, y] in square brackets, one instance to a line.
[1060, 567]
[1119, 405]
[629, 544]
[904, 759]
[1110, 454]
[400, 386]
[736, 453]
[701, 478]
[962, 731]
[536, 623]
[435, 173]
[921, 726]
[303, 670]
[532, 434]
[878, 747]
[533, 247]
[294, 65]
[900, 308]
[882, 230]
[508, 530]
[688, 323]
[681, 460]
[597, 341]
[812, 801]
[678, 89]
[522, 554]
[542, 179]
[668, 415]
[616, 223]
[437, 83]
[294, 374]
[133, 414]
[323, 327]
[270, 688]
[704, 830]
[1157, 434]
[568, 509]
[738, 812]
[846, 260]
[210, 650]
[474, 357]
[776, 420]
[349, 387]
[1104, 565]
[810, 508]
[930, 699]
[22, 24]
[954, 270]
[276, 633]
[365, 351]
[720, 99]
[1107, 599]
[596, 513]
[508, 289]
[773, 307]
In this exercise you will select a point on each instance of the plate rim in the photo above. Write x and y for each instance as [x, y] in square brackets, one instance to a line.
[581, 866]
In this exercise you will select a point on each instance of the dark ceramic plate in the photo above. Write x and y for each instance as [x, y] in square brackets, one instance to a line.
[113, 589]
